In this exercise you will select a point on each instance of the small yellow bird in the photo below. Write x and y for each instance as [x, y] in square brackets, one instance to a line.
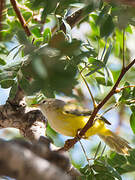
[67, 120]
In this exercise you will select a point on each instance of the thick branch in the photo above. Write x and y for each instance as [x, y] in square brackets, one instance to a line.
[18, 97]
[18, 161]
[124, 2]
[31, 124]
[81, 14]
[75, 18]
[20, 17]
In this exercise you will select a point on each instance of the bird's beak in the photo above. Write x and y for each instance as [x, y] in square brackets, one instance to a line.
[34, 105]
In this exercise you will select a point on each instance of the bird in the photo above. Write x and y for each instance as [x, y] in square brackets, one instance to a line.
[68, 120]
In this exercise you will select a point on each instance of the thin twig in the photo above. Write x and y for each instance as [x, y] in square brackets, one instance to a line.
[2, 3]
[97, 150]
[110, 108]
[93, 100]
[84, 152]
[86, 66]
[123, 51]
[102, 152]
[20, 17]
[120, 89]
[109, 95]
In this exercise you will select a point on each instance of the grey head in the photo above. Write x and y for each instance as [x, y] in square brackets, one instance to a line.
[51, 103]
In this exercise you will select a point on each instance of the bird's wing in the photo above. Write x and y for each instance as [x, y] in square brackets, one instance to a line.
[80, 111]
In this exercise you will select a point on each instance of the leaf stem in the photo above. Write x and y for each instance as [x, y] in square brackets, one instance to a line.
[123, 50]
[93, 100]
[110, 108]
[84, 152]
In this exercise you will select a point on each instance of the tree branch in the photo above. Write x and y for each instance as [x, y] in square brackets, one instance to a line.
[75, 18]
[19, 160]
[31, 124]
[124, 2]
[71, 142]
[20, 17]
[2, 3]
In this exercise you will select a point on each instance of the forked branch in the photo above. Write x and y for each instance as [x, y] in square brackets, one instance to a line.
[89, 124]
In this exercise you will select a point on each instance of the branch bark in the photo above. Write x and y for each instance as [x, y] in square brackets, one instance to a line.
[20, 17]
[2, 3]
[31, 124]
[31, 161]
[25, 160]
[124, 2]
[18, 160]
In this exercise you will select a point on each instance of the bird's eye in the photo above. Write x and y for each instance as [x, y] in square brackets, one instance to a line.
[44, 101]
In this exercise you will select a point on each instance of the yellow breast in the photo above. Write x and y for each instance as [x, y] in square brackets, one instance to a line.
[69, 124]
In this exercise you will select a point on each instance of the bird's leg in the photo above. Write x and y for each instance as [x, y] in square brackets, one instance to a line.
[78, 136]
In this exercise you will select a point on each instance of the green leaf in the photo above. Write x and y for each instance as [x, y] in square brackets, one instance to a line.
[11, 68]
[129, 29]
[85, 170]
[6, 35]
[133, 93]
[24, 84]
[107, 26]
[104, 11]
[17, 52]
[48, 92]
[3, 49]
[116, 159]
[99, 168]
[36, 31]
[117, 48]
[132, 109]
[96, 65]
[104, 176]
[107, 54]
[2, 62]
[27, 15]
[47, 35]
[13, 91]
[10, 12]
[101, 80]
[126, 93]
[102, 166]
[132, 122]
[7, 75]
[22, 38]
[6, 83]
[131, 158]
[113, 172]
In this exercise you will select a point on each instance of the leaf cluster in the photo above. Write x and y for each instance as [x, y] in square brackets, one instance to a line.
[111, 167]
[50, 60]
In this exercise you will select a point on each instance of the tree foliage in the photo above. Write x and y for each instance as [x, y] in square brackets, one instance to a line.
[39, 54]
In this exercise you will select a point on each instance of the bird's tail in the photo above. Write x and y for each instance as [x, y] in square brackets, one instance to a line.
[116, 143]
